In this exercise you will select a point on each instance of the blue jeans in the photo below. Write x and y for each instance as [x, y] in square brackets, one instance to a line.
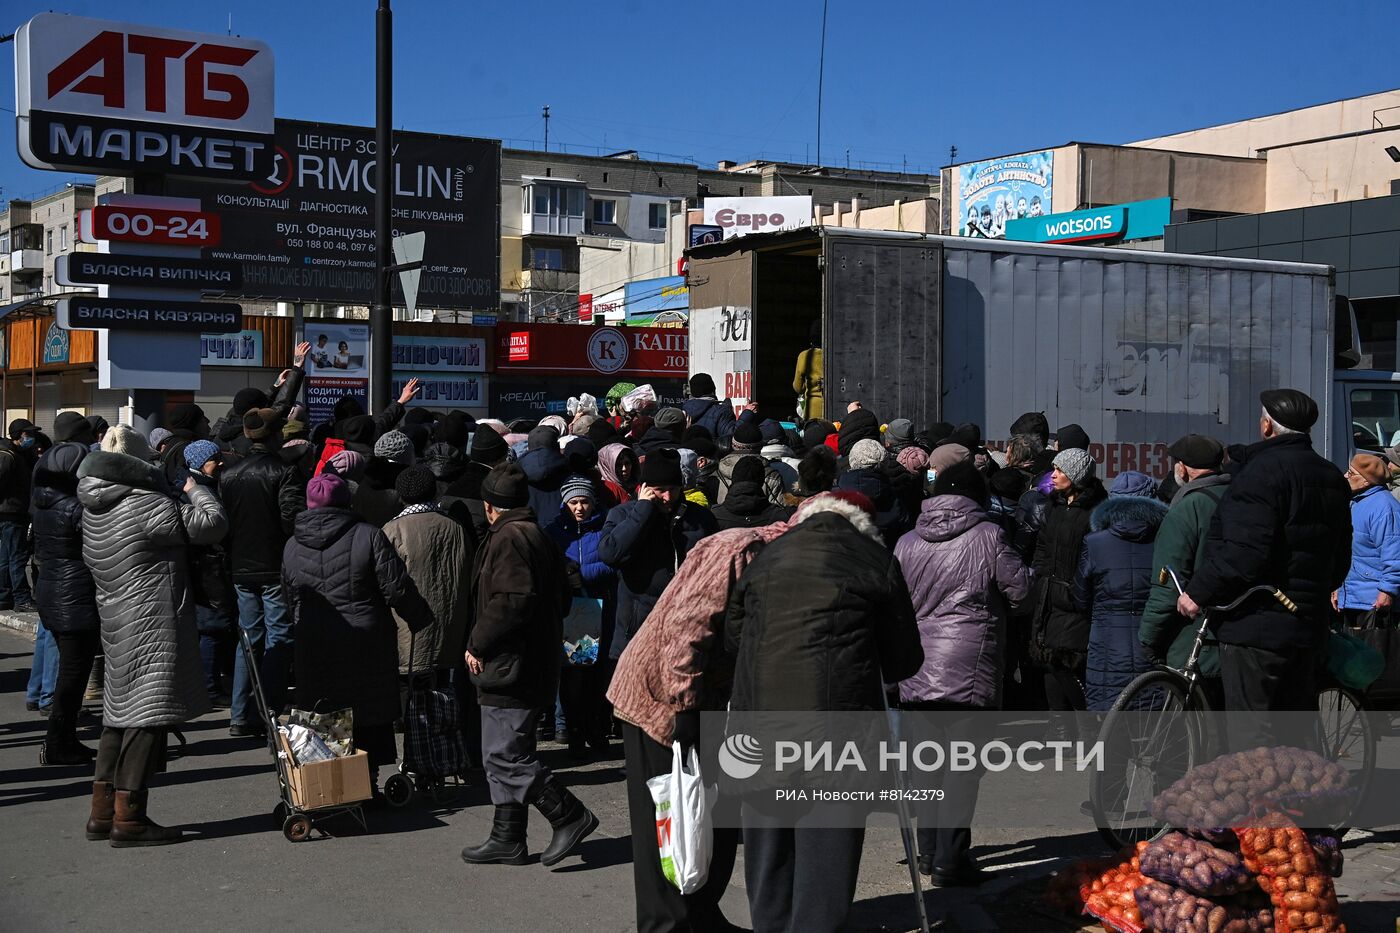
[262, 613]
[43, 673]
[14, 557]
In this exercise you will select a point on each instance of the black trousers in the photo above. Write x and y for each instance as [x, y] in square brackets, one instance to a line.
[945, 828]
[581, 691]
[660, 907]
[799, 880]
[1261, 682]
[127, 758]
[75, 653]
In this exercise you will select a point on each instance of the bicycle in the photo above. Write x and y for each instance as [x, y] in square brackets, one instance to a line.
[1160, 728]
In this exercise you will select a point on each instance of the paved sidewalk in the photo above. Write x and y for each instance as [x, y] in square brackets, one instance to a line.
[239, 872]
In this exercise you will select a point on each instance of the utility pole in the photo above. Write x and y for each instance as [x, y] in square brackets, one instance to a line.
[952, 155]
[546, 127]
[821, 74]
[381, 315]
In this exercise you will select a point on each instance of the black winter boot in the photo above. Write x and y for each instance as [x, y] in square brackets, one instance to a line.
[506, 844]
[131, 827]
[572, 821]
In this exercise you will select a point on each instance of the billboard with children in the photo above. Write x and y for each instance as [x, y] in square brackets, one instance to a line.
[993, 192]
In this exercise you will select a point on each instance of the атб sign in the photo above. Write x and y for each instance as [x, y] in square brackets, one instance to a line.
[94, 95]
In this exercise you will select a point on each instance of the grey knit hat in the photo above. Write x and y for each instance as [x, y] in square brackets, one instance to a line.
[899, 434]
[866, 454]
[395, 447]
[1076, 464]
[576, 487]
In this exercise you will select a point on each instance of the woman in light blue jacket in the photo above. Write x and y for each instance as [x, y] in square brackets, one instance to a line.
[1374, 580]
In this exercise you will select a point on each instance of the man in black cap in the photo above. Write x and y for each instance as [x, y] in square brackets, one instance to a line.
[712, 413]
[647, 539]
[462, 500]
[16, 469]
[522, 595]
[1071, 437]
[1165, 635]
[187, 423]
[1285, 521]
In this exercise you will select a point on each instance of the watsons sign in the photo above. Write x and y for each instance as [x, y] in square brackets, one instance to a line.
[1077, 227]
[1135, 220]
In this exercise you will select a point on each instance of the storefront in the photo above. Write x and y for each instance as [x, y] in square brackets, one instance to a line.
[49, 369]
[540, 366]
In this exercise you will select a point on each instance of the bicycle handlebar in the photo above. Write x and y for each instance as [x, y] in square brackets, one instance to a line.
[1275, 592]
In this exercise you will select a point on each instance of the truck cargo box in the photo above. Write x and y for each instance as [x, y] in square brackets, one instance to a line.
[1137, 347]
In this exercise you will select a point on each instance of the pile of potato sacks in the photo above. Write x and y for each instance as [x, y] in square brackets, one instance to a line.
[1237, 863]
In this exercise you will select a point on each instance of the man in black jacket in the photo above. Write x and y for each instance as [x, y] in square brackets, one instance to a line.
[228, 430]
[820, 621]
[262, 495]
[16, 469]
[1285, 522]
[462, 499]
[646, 540]
[522, 594]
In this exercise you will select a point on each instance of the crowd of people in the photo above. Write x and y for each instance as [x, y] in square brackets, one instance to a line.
[735, 562]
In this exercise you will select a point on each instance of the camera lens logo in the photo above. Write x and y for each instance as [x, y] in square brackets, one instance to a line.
[740, 756]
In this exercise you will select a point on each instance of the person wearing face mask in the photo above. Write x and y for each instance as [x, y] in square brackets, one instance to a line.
[1167, 637]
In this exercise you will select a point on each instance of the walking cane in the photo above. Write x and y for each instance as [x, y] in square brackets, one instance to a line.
[906, 824]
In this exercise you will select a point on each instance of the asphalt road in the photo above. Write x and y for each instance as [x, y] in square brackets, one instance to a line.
[238, 872]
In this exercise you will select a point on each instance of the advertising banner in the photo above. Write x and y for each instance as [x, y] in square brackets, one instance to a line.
[610, 307]
[996, 191]
[244, 348]
[322, 392]
[512, 397]
[439, 354]
[625, 353]
[100, 96]
[657, 302]
[442, 391]
[306, 232]
[1135, 220]
[738, 216]
[337, 365]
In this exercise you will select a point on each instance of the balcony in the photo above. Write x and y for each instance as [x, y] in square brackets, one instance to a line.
[27, 260]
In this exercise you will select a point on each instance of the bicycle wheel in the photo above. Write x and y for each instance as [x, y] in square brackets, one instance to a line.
[1151, 737]
[1348, 737]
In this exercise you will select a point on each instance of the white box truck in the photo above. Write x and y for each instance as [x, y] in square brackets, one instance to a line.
[1137, 347]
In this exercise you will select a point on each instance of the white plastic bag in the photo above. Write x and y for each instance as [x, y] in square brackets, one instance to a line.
[684, 821]
[306, 745]
[641, 395]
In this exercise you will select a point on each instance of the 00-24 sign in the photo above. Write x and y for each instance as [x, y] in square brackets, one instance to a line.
[150, 225]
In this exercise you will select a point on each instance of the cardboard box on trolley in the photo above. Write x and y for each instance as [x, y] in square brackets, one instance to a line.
[336, 782]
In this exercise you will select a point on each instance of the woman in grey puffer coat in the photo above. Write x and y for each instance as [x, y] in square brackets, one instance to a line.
[135, 541]
[964, 579]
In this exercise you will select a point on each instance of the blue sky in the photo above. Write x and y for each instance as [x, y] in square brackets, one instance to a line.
[904, 80]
